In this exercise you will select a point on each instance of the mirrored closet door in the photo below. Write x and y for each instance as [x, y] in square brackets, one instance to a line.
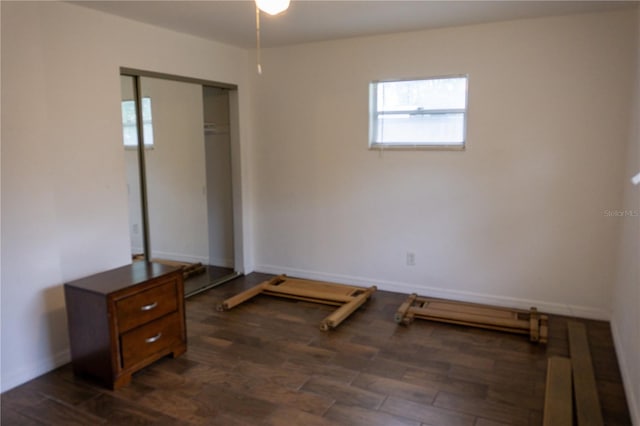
[179, 176]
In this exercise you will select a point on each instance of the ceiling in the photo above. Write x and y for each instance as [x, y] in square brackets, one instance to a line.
[233, 22]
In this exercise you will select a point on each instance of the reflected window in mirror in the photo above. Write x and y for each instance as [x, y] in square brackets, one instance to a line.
[129, 129]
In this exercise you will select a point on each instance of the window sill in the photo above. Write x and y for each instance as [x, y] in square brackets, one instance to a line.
[415, 147]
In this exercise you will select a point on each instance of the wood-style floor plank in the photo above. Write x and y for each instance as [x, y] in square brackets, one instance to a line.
[357, 416]
[266, 362]
[49, 411]
[12, 417]
[558, 401]
[290, 417]
[345, 394]
[479, 407]
[424, 393]
[426, 413]
[119, 411]
[588, 410]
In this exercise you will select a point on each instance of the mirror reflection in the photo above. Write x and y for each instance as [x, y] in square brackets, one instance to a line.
[130, 142]
[187, 170]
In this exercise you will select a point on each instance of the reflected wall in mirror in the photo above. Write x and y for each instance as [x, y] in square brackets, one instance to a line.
[187, 170]
[130, 143]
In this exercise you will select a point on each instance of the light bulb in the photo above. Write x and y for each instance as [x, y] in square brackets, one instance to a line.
[273, 7]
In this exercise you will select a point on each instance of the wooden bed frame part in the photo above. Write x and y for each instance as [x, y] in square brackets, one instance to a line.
[348, 298]
[471, 314]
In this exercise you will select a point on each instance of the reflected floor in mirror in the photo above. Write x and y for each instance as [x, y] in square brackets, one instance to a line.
[212, 276]
[197, 277]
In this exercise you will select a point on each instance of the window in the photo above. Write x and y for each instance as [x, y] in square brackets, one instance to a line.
[129, 128]
[428, 113]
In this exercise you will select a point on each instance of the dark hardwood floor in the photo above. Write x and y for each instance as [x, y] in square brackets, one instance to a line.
[267, 363]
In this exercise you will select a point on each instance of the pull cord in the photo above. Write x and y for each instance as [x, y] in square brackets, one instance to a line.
[258, 58]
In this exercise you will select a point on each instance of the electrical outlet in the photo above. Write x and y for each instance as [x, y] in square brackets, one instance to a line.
[411, 259]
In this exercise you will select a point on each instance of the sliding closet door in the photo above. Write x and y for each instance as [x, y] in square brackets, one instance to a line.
[176, 173]
[132, 160]
[184, 180]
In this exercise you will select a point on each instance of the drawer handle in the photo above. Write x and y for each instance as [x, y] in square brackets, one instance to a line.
[154, 338]
[149, 306]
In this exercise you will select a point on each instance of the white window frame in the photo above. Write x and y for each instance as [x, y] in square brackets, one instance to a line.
[147, 123]
[374, 143]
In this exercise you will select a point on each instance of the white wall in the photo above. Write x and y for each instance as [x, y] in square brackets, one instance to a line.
[626, 292]
[516, 219]
[64, 199]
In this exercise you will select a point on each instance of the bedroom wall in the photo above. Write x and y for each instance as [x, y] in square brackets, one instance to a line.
[517, 219]
[626, 292]
[64, 200]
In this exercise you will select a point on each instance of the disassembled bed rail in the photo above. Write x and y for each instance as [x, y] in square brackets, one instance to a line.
[348, 298]
[471, 314]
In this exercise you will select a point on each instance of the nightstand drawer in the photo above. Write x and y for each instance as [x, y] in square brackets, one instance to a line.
[154, 337]
[146, 306]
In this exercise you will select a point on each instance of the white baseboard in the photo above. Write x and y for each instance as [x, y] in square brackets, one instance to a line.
[28, 372]
[179, 257]
[463, 296]
[626, 371]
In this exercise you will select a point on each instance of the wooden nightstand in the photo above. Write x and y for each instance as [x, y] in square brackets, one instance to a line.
[124, 319]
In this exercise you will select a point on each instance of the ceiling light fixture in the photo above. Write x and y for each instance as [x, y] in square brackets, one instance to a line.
[273, 7]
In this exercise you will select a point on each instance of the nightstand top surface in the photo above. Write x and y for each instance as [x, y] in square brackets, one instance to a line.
[120, 278]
